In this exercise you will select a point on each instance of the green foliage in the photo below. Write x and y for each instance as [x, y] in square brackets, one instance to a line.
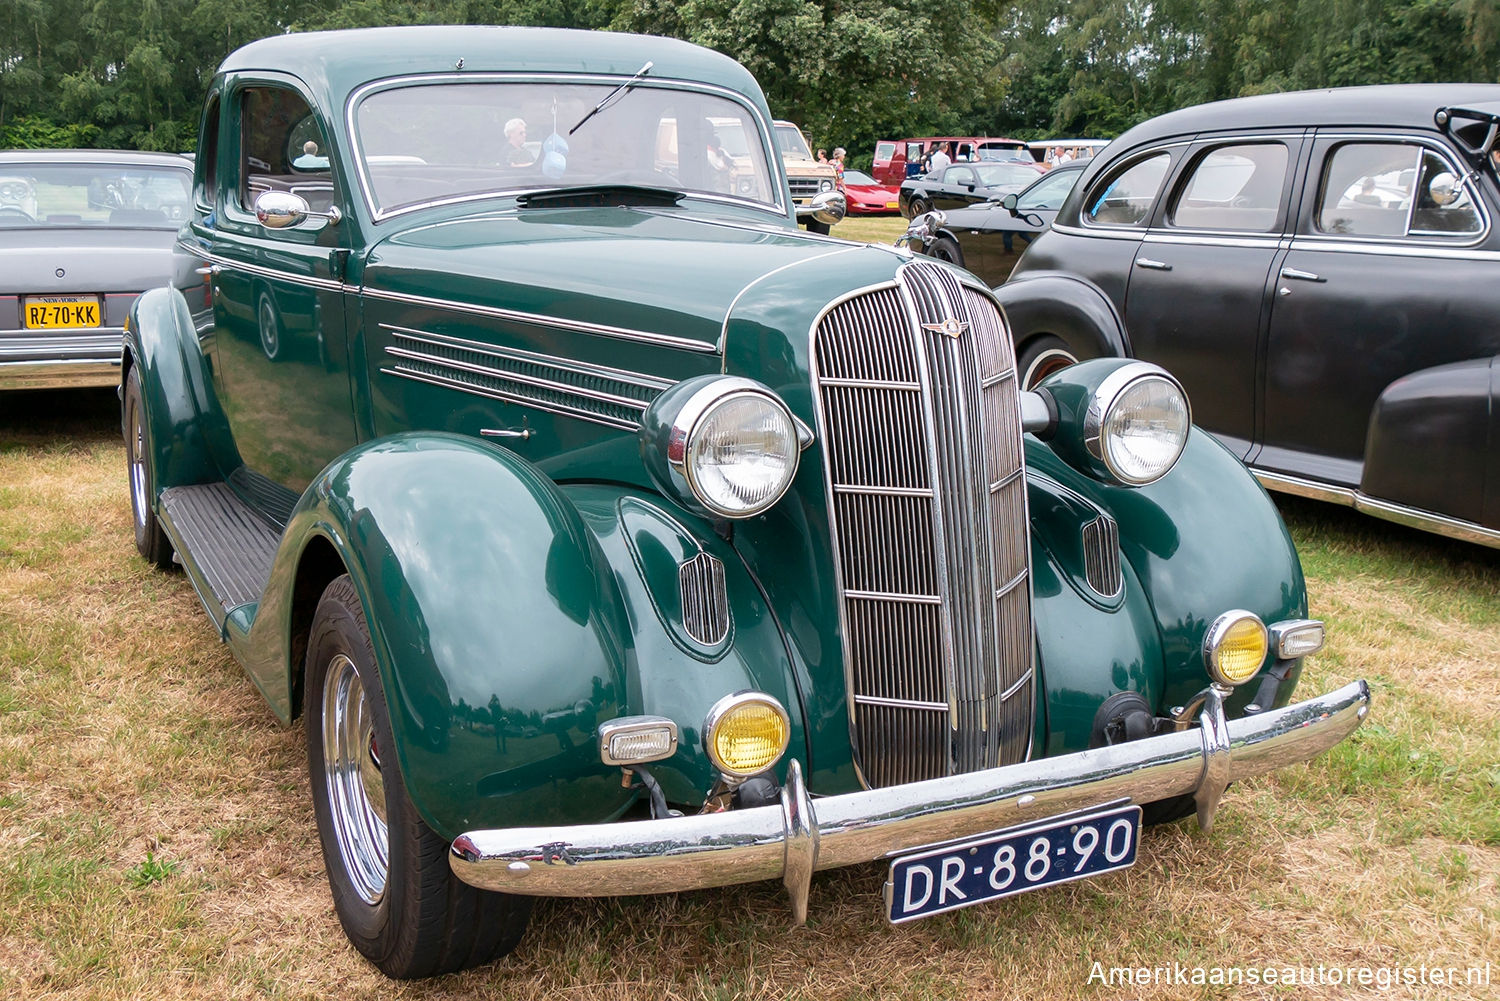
[152, 870]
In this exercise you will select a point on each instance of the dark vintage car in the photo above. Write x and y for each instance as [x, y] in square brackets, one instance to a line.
[988, 238]
[965, 184]
[1322, 272]
[511, 481]
[82, 232]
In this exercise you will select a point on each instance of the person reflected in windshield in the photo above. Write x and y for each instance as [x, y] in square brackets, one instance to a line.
[516, 154]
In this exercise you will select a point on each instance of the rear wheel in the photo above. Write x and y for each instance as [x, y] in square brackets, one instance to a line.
[917, 206]
[1041, 357]
[821, 228]
[395, 895]
[150, 540]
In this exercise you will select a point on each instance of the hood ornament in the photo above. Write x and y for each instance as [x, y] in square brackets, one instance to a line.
[950, 327]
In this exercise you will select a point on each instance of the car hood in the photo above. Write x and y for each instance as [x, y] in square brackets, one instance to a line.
[638, 269]
[52, 259]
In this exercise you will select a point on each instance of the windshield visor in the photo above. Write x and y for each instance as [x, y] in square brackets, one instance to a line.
[425, 143]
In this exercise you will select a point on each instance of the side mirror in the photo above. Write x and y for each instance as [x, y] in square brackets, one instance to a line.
[1010, 202]
[1443, 189]
[829, 207]
[280, 209]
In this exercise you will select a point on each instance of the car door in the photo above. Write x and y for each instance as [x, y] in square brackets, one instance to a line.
[283, 373]
[955, 189]
[1380, 281]
[1196, 298]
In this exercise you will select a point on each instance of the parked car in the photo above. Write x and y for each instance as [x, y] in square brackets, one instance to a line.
[1320, 271]
[990, 237]
[964, 184]
[82, 232]
[1051, 151]
[559, 474]
[808, 177]
[896, 160]
[865, 196]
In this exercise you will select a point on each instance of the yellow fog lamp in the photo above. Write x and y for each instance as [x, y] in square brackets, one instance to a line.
[634, 740]
[745, 734]
[1235, 647]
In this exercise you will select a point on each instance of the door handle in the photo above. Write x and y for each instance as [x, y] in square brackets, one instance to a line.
[1149, 264]
[208, 270]
[1301, 276]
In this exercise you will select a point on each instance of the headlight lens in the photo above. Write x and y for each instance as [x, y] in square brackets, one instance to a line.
[1235, 647]
[741, 454]
[825, 185]
[1142, 426]
[746, 733]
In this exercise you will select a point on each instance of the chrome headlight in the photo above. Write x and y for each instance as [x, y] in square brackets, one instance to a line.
[825, 185]
[1137, 423]
[1235, 646]
[724, 444]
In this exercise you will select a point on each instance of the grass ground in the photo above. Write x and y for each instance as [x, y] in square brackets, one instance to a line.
[157, 840]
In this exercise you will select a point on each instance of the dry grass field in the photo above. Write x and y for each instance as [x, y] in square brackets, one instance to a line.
[157, 841]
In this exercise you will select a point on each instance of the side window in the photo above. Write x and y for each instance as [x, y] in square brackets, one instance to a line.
[1234, 188]
[1394, 190]
[282, 148]
[1048, 193]
[1125, 199]
[958, 175]
[206, 189]
[884, 151]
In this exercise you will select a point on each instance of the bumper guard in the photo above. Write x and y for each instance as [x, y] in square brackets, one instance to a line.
[792, 841]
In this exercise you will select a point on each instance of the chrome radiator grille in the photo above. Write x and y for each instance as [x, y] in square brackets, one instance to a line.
[921, 426]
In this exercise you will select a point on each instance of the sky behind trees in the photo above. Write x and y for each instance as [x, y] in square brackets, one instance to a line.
[131, 73]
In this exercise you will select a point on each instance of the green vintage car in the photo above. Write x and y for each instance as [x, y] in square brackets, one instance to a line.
[610, 535]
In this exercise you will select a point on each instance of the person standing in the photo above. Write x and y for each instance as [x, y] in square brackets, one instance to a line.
[838, 166]
[940, 160]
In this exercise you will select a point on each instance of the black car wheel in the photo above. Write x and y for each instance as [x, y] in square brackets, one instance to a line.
[918, 205]
[395, 895]
[150, 540]
[269, 322]
[1041, 357]
[821, 228]
[945, 248]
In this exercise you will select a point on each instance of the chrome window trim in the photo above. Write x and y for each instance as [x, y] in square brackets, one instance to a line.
[1406, 248]
[537, 319]
[351, 106]
[1212, 238]
[1213, 143]
[1466, 177]
[1117, 171]
[1427, 521]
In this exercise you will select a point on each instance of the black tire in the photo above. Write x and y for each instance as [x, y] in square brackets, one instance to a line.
[820, 228]
[945, 248]
[406, 912]
[150, 540]
[1040, 357]
[917, 206]
[1164, 811]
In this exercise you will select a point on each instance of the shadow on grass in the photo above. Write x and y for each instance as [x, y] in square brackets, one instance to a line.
[40, 417]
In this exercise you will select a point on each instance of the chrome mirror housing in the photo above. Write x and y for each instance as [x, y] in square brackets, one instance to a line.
[1443, 189]
[281, 209]
[829, 207]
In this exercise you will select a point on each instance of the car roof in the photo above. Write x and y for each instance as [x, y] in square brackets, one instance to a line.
[337, 62]
[1402, 105]
[121, 157]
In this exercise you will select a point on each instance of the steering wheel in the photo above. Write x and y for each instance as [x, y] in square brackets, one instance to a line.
[13, 210]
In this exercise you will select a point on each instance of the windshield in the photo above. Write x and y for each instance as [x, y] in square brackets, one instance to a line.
[991, 174]
[424, 143]
[858, 177]
[789, 138]
[101, 195]
[1049, 192]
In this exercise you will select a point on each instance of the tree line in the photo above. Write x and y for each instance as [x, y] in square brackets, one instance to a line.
[131, 73]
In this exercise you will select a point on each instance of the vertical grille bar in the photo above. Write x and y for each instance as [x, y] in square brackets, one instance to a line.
[920, 423]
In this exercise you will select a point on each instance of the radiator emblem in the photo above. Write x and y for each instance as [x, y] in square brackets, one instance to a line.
[950, 327]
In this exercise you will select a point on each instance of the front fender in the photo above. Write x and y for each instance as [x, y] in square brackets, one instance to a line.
[189, 438]
[1064, 306]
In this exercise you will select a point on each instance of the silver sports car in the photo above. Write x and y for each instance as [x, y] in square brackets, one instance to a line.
[82, 233]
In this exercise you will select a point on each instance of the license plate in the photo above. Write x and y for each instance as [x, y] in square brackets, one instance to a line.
[893, 205]
[1011, 862]
[50, 312]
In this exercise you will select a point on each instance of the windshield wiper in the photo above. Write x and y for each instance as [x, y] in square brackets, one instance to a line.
[600, 196]
[614, 94]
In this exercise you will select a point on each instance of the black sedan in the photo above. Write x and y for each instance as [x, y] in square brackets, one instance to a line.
[1322, 272]
[964, 184]
[989, 238]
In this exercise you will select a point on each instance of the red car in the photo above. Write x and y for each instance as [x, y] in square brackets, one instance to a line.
[867, 196]
[895, 160]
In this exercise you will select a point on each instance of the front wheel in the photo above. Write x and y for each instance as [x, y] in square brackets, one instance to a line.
[917, 206]
[395, 895]
[150, 541]
[1041, 357]
[945, 248]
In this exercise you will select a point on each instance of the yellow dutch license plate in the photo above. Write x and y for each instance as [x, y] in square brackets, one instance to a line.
[59, 312]
[893, 205]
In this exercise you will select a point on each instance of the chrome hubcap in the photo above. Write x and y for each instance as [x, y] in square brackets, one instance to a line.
[138, 468]
[356, 789]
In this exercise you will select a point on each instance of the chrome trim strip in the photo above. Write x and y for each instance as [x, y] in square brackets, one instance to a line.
[875, 700]
[844, 488]
[1426, 521]
[306, 281]
[874, 384]
[1211, 238]
[532, 357]
[1012, 584]
[525, 401]
[778, 842]
[1019, 684]
[912, 599]
[728, 313]
[537, 319]
[1133, 233]
[1406, 248]
[525, 380]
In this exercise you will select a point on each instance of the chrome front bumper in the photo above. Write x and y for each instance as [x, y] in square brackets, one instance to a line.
[801, 836]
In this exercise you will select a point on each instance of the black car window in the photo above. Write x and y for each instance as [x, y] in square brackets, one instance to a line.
[1048, 192]
[958, 175]
[1393, 190]
[282, 148]
[1125, 198]
[1234, 188]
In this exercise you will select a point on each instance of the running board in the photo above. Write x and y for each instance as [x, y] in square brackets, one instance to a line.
[224, 545]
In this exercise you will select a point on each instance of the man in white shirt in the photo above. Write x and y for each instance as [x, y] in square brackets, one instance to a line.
[939, 161]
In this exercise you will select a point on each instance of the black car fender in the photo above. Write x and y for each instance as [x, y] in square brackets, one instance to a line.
[1067, 307]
